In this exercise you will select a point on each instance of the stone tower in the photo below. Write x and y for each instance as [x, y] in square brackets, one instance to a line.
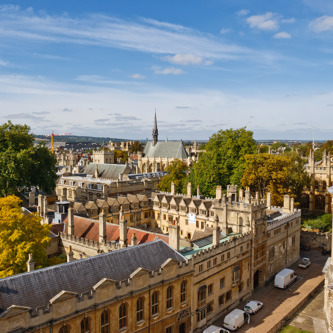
[155, 131]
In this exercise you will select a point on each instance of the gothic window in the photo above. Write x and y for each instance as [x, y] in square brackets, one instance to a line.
[122, 316]
[85, 327]
[183, 292]
[64, 329]
[139, 309]
[202, 295]
[154, 303]
[235, 274]
[169, 298]
[105, 322]
[271, 253]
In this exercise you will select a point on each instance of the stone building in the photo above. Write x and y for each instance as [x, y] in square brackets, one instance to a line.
[103, 157]
[321, 173]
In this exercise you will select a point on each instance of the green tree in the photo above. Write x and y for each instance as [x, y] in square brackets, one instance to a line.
[278, 174]
[20, 234]
[223, 161]
[120, 155]
[177, 171]
[263, 149]
[21, 163]
[136, 146]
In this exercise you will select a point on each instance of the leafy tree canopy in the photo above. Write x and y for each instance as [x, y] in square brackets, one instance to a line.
[223, 161]
[121, 156]
[136, 146]
[278, 174]
[177, 171]
[21, 163]
[20, 234]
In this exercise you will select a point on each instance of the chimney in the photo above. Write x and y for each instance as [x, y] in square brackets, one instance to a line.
[70, 254]
[30, 263]
[286, 204]
[257, 197]
[241, 194]
[218, 192]
[189, 189]
[216, 231]
[40, 205]
[269, 200]
[291, 205]
[247, 195]
[134, 240]
[173, 188]
[102, 227]
[198, 191]
[32, 198]
[122, 229]
[70, 220]
[45, 206]
[174, 236]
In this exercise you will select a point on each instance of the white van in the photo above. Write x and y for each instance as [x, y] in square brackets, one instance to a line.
[215, 329]
[235, 319]
[284, 278]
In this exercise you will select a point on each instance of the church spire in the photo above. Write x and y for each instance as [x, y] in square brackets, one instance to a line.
[155, 131]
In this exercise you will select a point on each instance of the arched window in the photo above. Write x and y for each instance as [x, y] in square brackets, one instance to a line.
[139, 309]
[183, 292]
[64, 329]
[105, 322]
[169, 298]
[154, 303]
[202, 295]
[85, 327]
[236, 275]
[122, 316]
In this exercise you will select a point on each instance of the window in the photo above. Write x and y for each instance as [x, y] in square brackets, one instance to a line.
[228, 296]
[228, 255]
[271, 253]
[235, 274]
[168, 329]
[186, 221]
[122, 316]
[183, 292]
[85, 325]
[169, 298]
[222, 257]
[214, 261]
[202, 295]
[105, 322]
[139, 309]
[293, 240]
[210, 307]
[221, 299]
[202, 225]
[208, 264]
[210, 289]
[197, 224]
[200, 268]
[64, 329]
[201, 314]
[154, 304]
[222, 282]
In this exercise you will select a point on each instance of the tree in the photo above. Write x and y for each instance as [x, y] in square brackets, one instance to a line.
[21, 163]
[177, 171]
[136, 146]
[120, 155]
[278, 174]
[223, 161]
[20, 234]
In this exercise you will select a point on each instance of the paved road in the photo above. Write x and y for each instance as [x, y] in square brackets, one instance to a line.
[277, 302]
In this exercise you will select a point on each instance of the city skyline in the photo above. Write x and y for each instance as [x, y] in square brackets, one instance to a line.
[102, 69]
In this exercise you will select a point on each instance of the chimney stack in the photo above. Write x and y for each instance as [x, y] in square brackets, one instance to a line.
[218, 192]
[174, 236]
[122, 229]
[70, 230]
[102, 227]
[134, 240]
[286, 203]
[30, 263]
[269, 200]
[70, 254]
[216, 231]
[198, 191]
[173, 188]
[189, 189]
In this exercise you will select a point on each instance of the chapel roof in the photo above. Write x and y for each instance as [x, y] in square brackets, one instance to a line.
[165, 149]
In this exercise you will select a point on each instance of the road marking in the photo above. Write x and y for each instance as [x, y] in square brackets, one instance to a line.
[319, 325]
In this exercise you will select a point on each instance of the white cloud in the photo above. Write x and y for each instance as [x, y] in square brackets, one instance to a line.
[208, 62]
[323, 23]
[243, 12]
[144, 36]
[267, 21]
[291, 20]
[184, 59]
[137, 76]
[224, 31]
[166, 71]
[282, 35]
[3, 63]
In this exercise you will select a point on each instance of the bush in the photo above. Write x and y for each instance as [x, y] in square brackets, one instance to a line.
[322, 223]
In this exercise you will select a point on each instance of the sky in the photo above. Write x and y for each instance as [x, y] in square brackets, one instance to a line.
[102, 68]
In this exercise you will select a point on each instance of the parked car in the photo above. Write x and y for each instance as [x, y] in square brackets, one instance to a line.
[284, 278]
[215, 329]
[253, 306]
[304, 263]
[235, 319]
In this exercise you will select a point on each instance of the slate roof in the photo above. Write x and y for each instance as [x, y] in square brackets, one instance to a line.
[89, 229]
[164, 149]
[36, 288]
[110, 171]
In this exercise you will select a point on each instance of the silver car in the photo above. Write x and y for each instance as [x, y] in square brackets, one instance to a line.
[253, 307]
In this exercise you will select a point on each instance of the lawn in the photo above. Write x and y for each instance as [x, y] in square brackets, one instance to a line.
[292, 329]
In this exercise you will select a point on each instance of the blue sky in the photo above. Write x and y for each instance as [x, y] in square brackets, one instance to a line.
[101, 68]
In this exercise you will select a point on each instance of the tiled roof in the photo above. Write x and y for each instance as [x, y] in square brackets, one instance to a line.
[110, 171]
[36, 288]
[164, 149]
[89, 229]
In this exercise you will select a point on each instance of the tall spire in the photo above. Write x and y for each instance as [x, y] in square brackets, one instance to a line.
[155, 131]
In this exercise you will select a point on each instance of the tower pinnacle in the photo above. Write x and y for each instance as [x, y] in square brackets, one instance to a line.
[155, 131]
